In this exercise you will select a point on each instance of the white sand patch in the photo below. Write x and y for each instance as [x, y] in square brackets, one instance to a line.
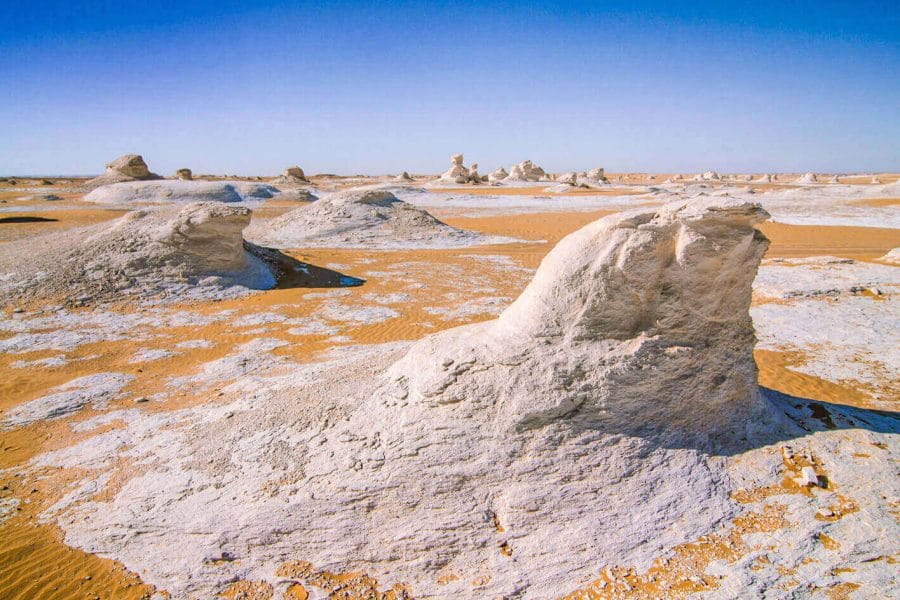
[49, 362]
[68, 398]
[150, 354]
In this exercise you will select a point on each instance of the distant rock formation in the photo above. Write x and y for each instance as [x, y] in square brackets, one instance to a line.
[403, 178]
[707, 176]
[458, 173]
[570, 178]
[292, 175]
[767, 178]
[498, 175]
[360, 218]
[808, 178]
[184, 174]
[130, 167]
[526, 171]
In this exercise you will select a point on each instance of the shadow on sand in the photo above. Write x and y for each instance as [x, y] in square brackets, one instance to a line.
[27, 220]
[292, 273]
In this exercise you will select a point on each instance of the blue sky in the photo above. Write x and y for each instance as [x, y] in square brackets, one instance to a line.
[376, 87]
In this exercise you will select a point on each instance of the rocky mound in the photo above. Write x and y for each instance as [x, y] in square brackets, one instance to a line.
[361, 218]
[403, 178]
[292, 175]
[130, 167]
[808, 178]
[167, 191]
[526, 171]
[184, 174]
[498, 175]
[197, 251]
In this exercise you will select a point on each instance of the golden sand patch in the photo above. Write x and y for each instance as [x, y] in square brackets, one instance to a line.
[858, 243]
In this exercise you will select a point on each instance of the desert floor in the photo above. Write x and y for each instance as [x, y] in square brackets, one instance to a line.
[180, 355]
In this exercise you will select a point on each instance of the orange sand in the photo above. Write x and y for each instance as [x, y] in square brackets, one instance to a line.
[859, 243]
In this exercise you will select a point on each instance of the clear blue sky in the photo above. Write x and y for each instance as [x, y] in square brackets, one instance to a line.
[374, 87]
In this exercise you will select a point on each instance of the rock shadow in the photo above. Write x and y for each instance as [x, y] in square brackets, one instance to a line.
[27, 220]
[291, 273]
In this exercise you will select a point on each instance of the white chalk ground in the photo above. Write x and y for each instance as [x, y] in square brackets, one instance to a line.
[224, 500]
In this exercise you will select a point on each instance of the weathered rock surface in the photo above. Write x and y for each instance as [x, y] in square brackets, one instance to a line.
[130, 167]
[403, 178]
[526, 171]
[498, 175]
[172, 191]
[184, 174]
[360, 218]
[196, 250]
[808, 178]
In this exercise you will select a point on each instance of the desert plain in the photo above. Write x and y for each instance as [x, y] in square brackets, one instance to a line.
[515, 385]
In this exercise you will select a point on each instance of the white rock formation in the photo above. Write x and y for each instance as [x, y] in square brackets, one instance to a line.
[291, 175]
[184, 174]
[173, 251]
[457, 173]
[403, 178]
[129, 167]
[498, 175]
[597, 173]
[708, 176]
[569, 178]
[808, 178]
[767, 178]
[361, 218]
[176, 191]
[526, 171]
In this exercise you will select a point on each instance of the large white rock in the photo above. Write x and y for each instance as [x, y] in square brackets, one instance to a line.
[168, 191]
[808, 178]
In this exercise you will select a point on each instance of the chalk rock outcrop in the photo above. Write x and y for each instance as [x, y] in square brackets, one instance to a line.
[403, 178]
[808, 178]
[458, 173]
[177, 191]
[767, 178]
[570, 178]
[174, 251]
[184, 174]
[526, 171]
[129, 167]
[360, 218]
[626, 358]
[707, 176]
[498, 175]
[291, 175]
